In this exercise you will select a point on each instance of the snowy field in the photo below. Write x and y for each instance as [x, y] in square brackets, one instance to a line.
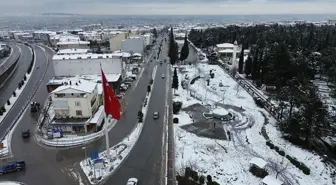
[228, 161]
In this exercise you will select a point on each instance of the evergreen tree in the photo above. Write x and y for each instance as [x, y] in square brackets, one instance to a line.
[248, 66]
[185, 49]
[241, 61]
[173, 51]
[175, 80]
[154, 31]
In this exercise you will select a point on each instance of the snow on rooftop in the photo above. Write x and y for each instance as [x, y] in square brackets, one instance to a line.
[179, 42]
[90, 78]
[269, 180]
[72, 51]
[72, 42]
[226, 51]
[80, 85]
[98, 115]
[122, 54]
[225, 45]
[85, 56]
[261, 163]
[137, 54]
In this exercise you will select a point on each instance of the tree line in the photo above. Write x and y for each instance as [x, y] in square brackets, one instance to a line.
[288, 57]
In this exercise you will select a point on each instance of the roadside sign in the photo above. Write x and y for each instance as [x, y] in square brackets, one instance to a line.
[94, 155]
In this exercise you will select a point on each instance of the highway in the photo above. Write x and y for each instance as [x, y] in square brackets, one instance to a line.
[7, 88]
[55, 166]
[144, 161]
[12, 83]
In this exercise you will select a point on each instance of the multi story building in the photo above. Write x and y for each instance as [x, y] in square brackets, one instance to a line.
[133, 45]
[116, 40]
[75, 99]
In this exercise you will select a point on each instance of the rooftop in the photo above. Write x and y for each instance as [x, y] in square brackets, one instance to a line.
[269, 180]
[85, 56]
[225, 45]
[90, 78]
[72, 42]
[258, 162]
[77, 85]
[72, 51]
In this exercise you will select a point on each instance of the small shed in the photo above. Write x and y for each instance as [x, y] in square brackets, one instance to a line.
[258, 162]
[269, 180]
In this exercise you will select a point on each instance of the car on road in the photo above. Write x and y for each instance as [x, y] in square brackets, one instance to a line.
[12, 167]
[156, 115]
[25, 134]
[162, 76]
[132, 181]
[161, 62]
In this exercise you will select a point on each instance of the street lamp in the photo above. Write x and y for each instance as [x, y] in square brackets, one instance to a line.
[85, 153]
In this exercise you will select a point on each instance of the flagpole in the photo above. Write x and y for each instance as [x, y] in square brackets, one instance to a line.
[107, 139]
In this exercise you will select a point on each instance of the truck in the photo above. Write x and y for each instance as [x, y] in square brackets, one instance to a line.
[12, 167]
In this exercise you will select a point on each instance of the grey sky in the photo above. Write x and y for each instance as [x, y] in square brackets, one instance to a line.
[177, 7]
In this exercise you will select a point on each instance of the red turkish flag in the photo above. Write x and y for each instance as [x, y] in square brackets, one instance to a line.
[111, 102]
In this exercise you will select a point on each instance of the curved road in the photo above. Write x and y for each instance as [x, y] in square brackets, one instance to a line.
[12, 83]
[55, 166]
[144, 161]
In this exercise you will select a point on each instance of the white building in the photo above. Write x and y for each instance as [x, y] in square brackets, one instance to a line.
[133, 45]
[43, 35]
[116, 40]
[88, 64]
[75, 99]
[148, 39]
[92, 27]
[73, 44]
[72, 51]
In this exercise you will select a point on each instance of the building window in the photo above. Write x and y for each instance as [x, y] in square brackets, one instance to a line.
[77, 103]
[79, 113]
[60, 95]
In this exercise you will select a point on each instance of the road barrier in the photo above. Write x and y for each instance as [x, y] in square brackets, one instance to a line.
[25, 105]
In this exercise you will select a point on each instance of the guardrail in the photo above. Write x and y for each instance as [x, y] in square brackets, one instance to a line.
[25, 105]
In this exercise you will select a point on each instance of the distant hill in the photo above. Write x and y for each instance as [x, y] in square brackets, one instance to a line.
[60, 14]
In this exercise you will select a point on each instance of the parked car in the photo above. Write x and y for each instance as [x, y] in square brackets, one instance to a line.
[132, 181]
[12, 167]
[258, 102]
[156, 115]
[25, 134]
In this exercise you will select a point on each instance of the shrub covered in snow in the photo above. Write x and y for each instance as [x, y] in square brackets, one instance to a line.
[177, 107]
[258, 172]
[175, 120]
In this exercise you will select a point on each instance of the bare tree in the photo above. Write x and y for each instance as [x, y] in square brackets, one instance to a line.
[234, 71]
[279, 166]
[237, 88]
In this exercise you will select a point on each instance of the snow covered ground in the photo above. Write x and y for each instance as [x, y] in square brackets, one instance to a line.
[10, 183]
[228, 161]
[118, 153]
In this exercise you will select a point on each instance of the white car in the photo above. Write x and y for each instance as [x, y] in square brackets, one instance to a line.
[162, 76]
[132, 181]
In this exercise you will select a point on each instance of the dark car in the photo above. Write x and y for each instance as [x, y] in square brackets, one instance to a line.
[259, 102]
[25, 134]
[12, 167]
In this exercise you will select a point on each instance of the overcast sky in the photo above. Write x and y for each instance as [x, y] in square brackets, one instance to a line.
[166, 7]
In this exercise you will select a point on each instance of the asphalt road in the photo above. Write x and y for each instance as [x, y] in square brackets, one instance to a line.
[11, 84]
[144, 161]
[55, 166]
[7, 90]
